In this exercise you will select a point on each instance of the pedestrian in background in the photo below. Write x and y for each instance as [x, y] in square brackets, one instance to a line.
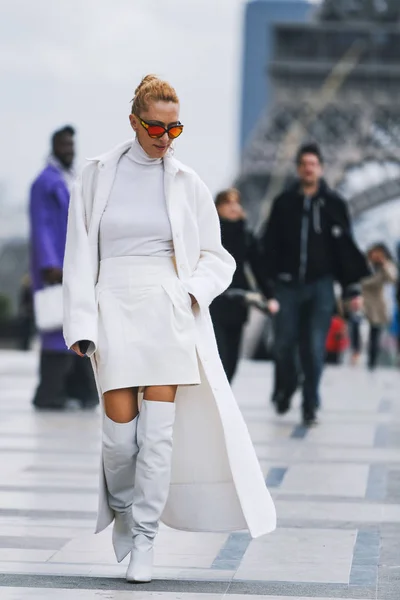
[307, 244]
[384, 272]
[62, 374]
[229, 312]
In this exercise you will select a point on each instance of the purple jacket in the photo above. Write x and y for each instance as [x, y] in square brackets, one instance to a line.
[48, 211]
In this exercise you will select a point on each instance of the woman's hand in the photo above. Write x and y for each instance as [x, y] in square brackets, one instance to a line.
[75, 348]
[273, 306]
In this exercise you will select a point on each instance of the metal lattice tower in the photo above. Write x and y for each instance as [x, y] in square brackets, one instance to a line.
[337, 82]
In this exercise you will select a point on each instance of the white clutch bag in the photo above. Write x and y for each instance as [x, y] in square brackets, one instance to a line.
[48, 307]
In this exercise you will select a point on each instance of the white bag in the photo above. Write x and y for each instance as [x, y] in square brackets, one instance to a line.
[48, 307]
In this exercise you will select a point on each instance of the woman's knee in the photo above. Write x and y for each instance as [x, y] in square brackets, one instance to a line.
[160, 393]
[121, 406]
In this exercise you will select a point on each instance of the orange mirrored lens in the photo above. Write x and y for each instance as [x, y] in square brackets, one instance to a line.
[175, 132]
[155, 131]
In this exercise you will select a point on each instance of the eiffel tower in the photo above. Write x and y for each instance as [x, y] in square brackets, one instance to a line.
[336, 81]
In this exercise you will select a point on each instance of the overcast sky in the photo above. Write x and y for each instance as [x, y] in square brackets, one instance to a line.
[78, 62]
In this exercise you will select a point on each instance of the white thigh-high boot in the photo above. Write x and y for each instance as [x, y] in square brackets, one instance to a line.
[119, 456]
[153, 471]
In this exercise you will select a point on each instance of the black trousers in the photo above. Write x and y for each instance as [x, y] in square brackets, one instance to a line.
[229, 316]
[375, 333]
[302, 322]
[228, 341]
[374, 345]
[64, 375]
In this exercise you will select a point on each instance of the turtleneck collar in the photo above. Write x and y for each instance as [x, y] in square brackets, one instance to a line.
[139, 156]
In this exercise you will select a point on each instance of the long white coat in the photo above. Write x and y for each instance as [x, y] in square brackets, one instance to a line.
[217, 483]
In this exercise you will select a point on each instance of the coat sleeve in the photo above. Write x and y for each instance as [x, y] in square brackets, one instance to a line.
[387, 274]
[41, 209]
[215, 268]
[254, 259]
[80, 309]
[269, 249]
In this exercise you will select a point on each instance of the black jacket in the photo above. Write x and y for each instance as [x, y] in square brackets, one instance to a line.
[240, 242]
[306, 239]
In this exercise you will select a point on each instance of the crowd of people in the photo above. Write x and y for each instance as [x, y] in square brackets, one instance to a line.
[305, 247]
[287, 272]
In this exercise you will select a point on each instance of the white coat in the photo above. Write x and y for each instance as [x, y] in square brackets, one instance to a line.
[216, 482]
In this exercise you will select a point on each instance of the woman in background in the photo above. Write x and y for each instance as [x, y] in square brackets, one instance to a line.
[375, 305]
[229, 312]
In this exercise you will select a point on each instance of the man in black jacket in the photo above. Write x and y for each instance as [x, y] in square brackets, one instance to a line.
[307, 244]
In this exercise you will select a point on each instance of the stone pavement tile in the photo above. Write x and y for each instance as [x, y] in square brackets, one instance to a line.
[44, 531]
[183, 542]
[267, 432]
[114, 570]
[57, 461]
[390, 574]
[24, 569]
[363, 455]
[343, 434]
[106, 556]
[332, 479]
[169, 544]
[301, 590]
[355, 512]
[393, 485]
[388, 592]
[300, 555]
[205, 575]
[31, 543]
[45, 521]
[114, 584]
[23, 554]
[63, 444]
[52, 488]
[254, 597]
[377, 483]
[44, 502]
[48, 594]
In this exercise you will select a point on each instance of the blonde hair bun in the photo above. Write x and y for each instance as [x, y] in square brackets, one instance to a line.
[152, 89]
[146, 80]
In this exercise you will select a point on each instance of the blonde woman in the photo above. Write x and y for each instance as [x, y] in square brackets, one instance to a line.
[143, 262]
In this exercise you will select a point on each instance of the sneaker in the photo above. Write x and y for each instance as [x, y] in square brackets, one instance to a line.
[310, 421]
[281, 403]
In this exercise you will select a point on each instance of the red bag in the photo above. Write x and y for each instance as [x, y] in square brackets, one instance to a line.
[337, 339]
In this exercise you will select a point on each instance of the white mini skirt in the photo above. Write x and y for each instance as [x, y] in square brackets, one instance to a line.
[146, 325]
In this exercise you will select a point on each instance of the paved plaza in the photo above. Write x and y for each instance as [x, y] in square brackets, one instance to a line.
[337, 491]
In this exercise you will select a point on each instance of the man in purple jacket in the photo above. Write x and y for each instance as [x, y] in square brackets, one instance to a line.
[63, 374]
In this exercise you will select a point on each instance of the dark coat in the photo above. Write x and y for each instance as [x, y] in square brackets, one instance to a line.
[243, 246]
[302, 243]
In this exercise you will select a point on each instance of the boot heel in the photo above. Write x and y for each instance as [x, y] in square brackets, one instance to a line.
[140, 567]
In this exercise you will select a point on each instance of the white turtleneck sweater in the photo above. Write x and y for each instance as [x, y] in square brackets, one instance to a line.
[136, 222]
